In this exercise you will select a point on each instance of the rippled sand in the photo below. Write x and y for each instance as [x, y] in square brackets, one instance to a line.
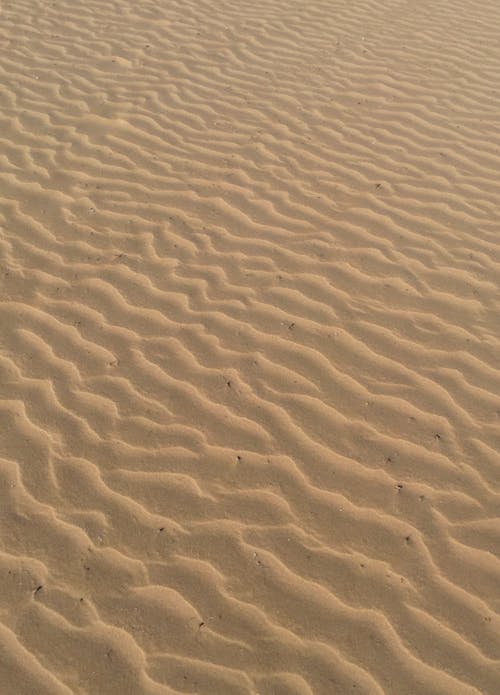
[249, 347]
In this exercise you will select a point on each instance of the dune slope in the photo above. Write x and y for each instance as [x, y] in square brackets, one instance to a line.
[249, 347]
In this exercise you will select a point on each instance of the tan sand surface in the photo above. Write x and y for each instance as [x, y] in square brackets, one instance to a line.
[249, 347]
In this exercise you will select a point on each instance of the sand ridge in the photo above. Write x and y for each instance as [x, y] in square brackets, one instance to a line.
[249, 330]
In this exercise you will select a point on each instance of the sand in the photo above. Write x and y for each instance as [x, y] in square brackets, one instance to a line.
[249, 347]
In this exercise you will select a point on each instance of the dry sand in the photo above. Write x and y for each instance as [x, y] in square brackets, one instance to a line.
[250, 347]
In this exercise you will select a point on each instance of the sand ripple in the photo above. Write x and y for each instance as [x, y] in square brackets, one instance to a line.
[250, 338]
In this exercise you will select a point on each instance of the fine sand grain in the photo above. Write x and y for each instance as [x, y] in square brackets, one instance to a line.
[249, 347]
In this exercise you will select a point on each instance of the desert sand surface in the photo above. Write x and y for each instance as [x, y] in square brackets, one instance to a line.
[249, 347]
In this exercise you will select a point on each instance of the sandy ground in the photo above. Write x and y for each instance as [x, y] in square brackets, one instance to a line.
[249, 347]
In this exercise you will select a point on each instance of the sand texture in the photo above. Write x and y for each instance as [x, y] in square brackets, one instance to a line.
[249, 347]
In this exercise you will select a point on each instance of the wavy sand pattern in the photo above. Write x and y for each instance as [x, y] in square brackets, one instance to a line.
[250, 340]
